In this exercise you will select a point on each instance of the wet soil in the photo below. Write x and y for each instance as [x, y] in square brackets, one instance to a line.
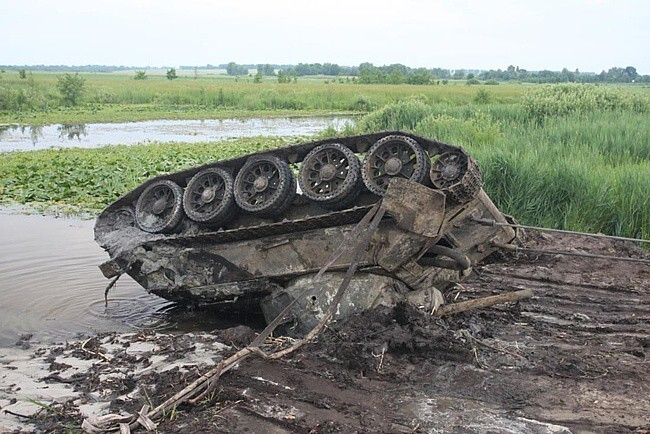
[571, 359]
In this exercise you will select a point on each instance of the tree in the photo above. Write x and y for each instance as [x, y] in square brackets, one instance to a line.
[258, 77]
[630, 71]
[140, 75]
[171, 74]
[283, 77]
[71, 88]
[420, 76]
[266, 69]
[396, 77]
[233, 69]
[22, 74]
[459, 74]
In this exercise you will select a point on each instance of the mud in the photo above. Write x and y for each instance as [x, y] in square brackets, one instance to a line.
[571, 359]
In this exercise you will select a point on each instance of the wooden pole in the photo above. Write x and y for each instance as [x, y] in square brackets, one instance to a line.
[464, 306]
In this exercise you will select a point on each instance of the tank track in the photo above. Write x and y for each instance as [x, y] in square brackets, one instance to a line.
[255, 195]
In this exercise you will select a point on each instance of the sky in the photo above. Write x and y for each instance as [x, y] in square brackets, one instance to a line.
[590, 35]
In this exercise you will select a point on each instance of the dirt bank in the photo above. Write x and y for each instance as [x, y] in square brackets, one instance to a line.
[572, 359]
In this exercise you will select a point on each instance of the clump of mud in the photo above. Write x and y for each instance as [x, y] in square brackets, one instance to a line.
[401, 332]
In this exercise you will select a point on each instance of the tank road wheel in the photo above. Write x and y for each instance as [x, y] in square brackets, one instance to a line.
[265, 186]
[394, 156]
[209, 198]
[159, 208]
[448, 169]
[457, 175]
[330, 176]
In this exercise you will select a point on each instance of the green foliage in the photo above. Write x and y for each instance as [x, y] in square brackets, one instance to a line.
[482, 97]
[283, 77]
[472, 82]
[90, 179]
[140, 75]
[171, 74]
[404, 115]
[420, 76]
[233, 69]
[479, 129]
[266, 70]
[565, 99]
[258, 77]
[71, 88]
[22, 74]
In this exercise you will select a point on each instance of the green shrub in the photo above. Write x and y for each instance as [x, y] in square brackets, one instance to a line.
[403, 115]
[565, 99]
[71, 88]
[478, 130]
[482, 97]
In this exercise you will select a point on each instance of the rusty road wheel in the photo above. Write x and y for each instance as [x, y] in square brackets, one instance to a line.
[457, 175]
[265, 186]
[394, 156]
[159, 208]
[209, 198]
[330, 176]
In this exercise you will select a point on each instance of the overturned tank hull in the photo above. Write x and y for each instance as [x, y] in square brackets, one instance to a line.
[257, 228]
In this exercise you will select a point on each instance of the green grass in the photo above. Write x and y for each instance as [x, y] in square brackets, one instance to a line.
[117, 97]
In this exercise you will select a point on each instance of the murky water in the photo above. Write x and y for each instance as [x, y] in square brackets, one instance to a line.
[26, 138]
[50, 286]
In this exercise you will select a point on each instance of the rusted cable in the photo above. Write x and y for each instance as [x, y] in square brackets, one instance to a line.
[513, 248]
[488, 222]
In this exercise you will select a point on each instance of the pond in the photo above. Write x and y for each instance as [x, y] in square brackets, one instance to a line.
[51, 288]
[27, 138]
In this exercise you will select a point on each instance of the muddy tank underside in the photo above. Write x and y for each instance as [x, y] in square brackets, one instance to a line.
[240, 230]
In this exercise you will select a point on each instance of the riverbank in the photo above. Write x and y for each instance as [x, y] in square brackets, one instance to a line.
[571, 359]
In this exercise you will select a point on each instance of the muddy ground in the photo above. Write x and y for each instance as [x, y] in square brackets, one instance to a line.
[571, 359]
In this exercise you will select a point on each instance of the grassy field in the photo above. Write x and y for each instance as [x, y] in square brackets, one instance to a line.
[117, 97]
[565, 156]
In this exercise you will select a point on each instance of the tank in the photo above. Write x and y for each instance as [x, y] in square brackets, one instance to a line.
[254, 231]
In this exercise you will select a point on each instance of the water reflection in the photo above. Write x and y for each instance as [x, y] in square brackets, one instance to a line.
[70, 131]
[26, 137]
[35, 132]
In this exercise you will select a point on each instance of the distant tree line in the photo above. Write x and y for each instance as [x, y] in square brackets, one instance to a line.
[612, 75]
[367, 73]
[233, 69]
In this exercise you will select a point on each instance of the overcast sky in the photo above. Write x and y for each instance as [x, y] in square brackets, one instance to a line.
[590, 35]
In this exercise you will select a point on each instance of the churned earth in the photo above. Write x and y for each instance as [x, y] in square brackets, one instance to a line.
[571, 359]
